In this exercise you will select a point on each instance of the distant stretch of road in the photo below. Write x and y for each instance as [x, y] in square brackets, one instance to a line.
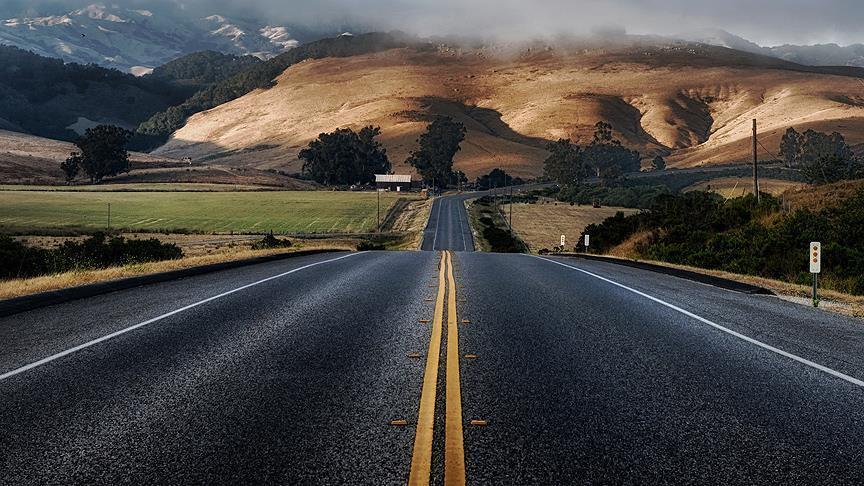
[438, 367]
[449, 228]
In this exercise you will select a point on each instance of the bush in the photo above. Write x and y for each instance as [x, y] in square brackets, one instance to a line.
[641, 197]
[270, 241]
[743, 236]
[18, 260]
[370, 246]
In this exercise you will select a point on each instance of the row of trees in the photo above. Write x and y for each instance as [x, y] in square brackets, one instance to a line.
[605, 157]
[345, 157]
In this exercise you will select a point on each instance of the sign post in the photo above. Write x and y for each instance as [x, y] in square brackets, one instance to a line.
[562, 241]
[587, 238]
[815, 257]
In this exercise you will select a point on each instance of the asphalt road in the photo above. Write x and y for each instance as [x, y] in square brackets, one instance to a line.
[291, 372]
[448, 227]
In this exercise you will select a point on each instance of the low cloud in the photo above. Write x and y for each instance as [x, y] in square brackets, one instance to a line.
[768, 22]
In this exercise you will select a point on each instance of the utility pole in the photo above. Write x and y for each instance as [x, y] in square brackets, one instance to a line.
[109, 216]
[755, 166]
[378, 191]
[511, 205]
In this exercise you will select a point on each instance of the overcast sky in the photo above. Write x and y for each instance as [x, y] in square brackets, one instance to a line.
[767, 22]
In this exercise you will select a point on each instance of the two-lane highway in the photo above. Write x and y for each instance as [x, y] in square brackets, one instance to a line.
[448, 227]
[435, 366]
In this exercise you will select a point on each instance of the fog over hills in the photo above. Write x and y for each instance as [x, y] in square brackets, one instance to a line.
[136, 35]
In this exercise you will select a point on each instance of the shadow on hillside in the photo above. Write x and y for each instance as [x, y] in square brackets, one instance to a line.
[475, 118]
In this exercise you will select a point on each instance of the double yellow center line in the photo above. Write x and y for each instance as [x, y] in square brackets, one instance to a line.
[454, 451]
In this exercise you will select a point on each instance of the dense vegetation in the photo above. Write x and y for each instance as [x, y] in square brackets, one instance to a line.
[433, 159]
[605, 157]
[743, 236]
[345, 157]
[492, 228]
[44, 96]
[641, 197]
[820, 157]
[497, 178]
[200, 69]
[21, 261]
[262, 75]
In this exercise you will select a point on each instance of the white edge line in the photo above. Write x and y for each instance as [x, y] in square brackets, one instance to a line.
[750, 340]
[437, 223]
[462, 228]
[88, 344]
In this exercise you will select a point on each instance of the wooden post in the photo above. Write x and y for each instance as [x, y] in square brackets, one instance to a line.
[755, 166]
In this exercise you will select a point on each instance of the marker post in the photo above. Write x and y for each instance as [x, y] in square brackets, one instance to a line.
[815, 257]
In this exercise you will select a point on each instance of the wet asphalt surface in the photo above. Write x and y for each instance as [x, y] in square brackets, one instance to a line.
[295, 380]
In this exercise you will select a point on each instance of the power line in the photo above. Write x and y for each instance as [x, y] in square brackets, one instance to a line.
[766, 150]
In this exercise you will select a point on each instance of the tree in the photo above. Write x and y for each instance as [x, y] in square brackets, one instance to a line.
[822, 158]
[71, 166]
[345, 157]
[495, 178]
[101, 153]
[608, 157]
[659, 163]
[566, 163]
[438, 145]
[832, 168]
[790, 147]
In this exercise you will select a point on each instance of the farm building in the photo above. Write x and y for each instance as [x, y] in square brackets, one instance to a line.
[393, 182]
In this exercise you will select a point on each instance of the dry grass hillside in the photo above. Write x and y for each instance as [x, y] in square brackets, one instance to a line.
[27, 159]
[691, 103]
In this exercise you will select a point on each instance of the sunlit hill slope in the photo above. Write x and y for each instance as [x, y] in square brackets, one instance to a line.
[691, 103]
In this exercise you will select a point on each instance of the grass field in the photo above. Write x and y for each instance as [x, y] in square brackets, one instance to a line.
[141, 187]
[730, 187]
[541, 225]
[205, 212]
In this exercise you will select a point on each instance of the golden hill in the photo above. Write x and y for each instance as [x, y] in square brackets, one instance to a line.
[693, 104]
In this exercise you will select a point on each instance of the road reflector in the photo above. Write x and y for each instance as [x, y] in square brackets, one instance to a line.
[414, 355]
[470, 356]
[425, 321]
[463, 301]
[428, 300]
[399, 422]
[466, 321]
[479, 423]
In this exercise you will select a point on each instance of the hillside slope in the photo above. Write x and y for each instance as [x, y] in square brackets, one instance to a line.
[27, 159]
[692, 103]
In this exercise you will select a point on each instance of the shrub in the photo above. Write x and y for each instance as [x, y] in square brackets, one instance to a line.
[369, 246]
[270, 241]
[18, 260]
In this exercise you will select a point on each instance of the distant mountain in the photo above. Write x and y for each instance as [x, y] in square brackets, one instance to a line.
[139, 40]
[812, 55]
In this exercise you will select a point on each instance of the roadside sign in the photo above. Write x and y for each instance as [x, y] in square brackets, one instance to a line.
[815, 257]
[562, 240]
[586, 240]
